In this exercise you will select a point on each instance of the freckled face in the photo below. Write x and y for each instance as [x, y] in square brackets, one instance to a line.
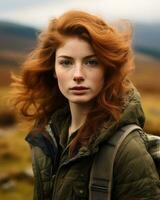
[79, 74]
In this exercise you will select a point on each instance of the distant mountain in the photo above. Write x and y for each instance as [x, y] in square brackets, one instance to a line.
[17, 30]
[17, 40]
[15, 37]
[147, 39]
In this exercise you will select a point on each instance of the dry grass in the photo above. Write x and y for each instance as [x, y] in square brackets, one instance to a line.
[14, 150]
[22, 191]
[151, 105]
[14, 156]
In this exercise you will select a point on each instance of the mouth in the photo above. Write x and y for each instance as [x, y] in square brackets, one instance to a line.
[79, 88]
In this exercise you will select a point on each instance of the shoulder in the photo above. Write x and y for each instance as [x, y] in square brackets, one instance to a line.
[131, 147]
[135, 173]
[133, 159]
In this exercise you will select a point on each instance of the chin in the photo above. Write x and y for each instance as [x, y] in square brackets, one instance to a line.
[80, 100]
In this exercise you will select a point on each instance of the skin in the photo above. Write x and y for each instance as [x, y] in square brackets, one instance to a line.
[77, 65]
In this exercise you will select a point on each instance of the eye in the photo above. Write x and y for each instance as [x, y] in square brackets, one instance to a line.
[92, 62]
[65, 62]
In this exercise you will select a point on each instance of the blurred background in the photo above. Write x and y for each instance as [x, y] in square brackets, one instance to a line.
[20, 23]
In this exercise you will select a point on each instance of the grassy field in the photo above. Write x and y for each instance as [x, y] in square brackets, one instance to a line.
[15, 158]
[151, 106]
[22, 191]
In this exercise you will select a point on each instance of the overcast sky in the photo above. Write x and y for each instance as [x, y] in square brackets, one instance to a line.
[38, 12]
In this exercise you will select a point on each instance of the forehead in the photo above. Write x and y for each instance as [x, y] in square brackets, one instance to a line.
[75, 47]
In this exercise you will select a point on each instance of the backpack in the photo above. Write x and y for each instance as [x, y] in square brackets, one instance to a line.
[100, 186]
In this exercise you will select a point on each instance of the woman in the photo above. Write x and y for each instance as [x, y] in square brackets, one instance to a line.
[74, 86]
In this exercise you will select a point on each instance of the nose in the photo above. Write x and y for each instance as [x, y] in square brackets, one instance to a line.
[78, 74]
[78, 79]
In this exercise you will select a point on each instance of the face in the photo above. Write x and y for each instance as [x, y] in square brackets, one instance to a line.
[79, 74]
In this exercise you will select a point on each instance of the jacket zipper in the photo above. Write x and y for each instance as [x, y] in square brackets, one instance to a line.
[51, 133]
[63, 164]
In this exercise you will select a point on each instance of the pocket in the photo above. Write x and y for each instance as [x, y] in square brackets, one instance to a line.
[79, 190]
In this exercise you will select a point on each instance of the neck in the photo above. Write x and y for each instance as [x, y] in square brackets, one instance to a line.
[78, 115]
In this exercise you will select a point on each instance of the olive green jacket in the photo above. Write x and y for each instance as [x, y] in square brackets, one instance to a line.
[58, 177]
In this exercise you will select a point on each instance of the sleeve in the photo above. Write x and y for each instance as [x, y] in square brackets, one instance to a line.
[38, 188]
[135, 175]
[42, 170]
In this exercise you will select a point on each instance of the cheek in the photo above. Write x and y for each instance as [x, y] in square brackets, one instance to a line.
[62, 79]
[98, 79]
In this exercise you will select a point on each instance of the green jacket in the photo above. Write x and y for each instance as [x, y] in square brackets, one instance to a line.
[57, 177]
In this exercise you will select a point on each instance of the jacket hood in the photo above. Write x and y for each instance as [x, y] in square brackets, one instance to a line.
[132, 109]
[132, 113]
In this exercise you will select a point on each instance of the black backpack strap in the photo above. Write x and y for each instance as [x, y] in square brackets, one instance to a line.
[100, 186]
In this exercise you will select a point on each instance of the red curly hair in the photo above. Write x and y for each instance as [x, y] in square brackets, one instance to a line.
[37, 95]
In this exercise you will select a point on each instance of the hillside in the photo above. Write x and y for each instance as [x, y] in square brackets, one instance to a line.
[147, 39]
[21, 39]
[15, 42]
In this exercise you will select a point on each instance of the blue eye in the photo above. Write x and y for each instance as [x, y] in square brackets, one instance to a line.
[65, 62]
[92, 62]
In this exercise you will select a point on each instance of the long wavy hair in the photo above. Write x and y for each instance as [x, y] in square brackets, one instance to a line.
[36, 91]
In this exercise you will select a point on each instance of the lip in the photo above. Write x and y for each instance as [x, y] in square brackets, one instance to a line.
[79, 88]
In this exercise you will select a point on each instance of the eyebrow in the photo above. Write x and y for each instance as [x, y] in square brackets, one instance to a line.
[69, 57]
